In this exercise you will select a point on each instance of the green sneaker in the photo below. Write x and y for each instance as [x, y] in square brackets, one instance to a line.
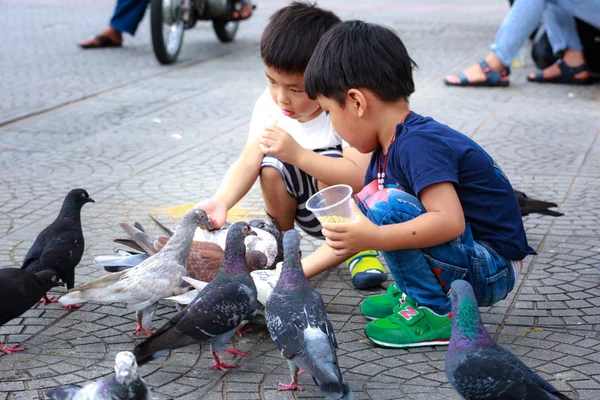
[410, 326]
[382, 305]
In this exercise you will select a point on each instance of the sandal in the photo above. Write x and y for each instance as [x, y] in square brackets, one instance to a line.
[567, 75]
[492, 77]
[239, 6]
[100, 41]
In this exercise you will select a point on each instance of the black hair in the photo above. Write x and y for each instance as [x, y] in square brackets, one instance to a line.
[292, 34]
[356, 54]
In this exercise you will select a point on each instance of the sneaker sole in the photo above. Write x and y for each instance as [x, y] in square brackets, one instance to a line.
[404, 346]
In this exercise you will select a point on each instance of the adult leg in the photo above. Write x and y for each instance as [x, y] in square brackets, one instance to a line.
[127, 16]
[522, 19]
[563, 37]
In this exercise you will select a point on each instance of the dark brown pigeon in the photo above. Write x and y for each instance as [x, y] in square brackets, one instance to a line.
[60, 245]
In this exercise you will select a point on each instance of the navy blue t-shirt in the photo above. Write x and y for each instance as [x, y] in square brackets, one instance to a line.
[426, 152]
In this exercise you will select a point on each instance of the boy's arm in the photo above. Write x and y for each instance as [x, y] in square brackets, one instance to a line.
[443, 221]
[320, 260]
[331, 171]
[236, 183]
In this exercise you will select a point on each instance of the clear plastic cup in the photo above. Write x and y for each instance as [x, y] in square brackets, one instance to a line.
[332, 204]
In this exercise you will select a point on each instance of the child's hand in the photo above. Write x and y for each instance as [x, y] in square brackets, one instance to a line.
[350, 238]
[278, 143]
[216, 210]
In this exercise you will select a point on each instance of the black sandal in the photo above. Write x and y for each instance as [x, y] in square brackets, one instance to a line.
[567, 75]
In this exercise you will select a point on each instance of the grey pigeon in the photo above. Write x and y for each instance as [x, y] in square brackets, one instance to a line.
[480, 369]
[60, 245]
[216, 313]
[300, 326]
[144, 285]
[19, 291]
[124, 384]
[528, 205]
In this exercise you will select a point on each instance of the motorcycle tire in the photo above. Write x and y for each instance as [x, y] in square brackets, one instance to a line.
[166, 47]
[225, 30]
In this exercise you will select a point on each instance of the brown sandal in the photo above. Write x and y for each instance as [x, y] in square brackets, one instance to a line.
[100, 41]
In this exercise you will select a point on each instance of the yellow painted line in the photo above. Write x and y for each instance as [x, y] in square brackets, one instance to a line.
[237, 213]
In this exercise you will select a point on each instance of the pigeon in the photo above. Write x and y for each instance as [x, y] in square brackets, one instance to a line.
[299, 325]
[530, 206]
[267, 240]
[60, 245]
[216, 313]
[204, 260]
[124, 384]
[144, 285]
[477, 367]
[19, 291]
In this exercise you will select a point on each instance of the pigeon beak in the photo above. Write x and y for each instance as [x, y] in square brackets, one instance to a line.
[252, 232]
[59, 283]
[450, 291]
[89, 200]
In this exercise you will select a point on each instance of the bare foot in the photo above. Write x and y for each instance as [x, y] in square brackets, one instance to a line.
[111, 33]
[244, 12]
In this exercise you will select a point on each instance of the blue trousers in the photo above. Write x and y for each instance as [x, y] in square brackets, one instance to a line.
[128, 15]
[525, 15]
[425, 275]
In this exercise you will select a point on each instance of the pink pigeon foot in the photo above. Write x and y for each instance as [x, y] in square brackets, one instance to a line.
[240, 331]
[140, 328]
[72, 307]
[48, 299]
[236, 352]
[292, 386]
[10, 349]
[219, 365]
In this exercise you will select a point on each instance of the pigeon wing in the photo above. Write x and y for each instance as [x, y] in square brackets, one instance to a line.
[489, 373]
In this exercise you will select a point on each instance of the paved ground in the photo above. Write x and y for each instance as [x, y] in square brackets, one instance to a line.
[144, 138]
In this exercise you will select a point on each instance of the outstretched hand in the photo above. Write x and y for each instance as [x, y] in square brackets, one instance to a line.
[347, 239]
[216, 210]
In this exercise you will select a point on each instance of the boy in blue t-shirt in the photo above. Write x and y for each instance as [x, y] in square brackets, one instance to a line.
[435, 203]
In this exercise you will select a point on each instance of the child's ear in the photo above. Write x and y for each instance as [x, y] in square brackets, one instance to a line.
[356, 101]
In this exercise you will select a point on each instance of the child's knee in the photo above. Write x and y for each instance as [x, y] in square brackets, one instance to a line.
[392, 206]
[270, 176]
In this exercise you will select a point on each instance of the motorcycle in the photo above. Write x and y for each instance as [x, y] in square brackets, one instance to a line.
[169, 18]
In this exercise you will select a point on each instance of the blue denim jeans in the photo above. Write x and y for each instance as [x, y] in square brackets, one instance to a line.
[425, 275]
[525, 15]
[128, 15]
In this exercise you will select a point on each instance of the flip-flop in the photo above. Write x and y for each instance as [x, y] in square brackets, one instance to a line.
[567, 75]
[100, 41]
[492, 77]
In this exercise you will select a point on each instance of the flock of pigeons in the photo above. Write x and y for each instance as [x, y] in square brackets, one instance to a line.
[225, 297]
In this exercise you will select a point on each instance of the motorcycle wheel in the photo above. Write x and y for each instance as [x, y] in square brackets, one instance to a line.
[166, 25]
[226, 30]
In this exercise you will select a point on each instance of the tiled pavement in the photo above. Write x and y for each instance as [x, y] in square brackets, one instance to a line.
[144, 138]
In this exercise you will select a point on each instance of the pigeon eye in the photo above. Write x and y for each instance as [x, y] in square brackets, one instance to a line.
[245, 229]
[82, 195]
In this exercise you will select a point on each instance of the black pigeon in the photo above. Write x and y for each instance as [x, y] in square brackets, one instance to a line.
[19, 291]
[124, 384]
[300, 326]
[216, 313]
[480, 369]
[60, 246]
[530, 206]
